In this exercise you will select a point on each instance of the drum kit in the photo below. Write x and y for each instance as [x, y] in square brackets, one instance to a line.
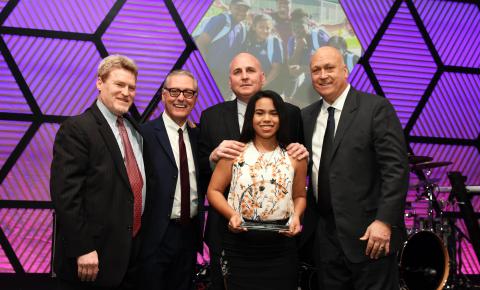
[424, 261]
[428, 259]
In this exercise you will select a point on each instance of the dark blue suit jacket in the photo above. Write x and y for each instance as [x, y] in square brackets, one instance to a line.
[164, 177]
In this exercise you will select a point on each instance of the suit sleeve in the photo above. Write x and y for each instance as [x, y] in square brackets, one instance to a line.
[205, 148]
[391, 157]
[295, 125]
[67, 183]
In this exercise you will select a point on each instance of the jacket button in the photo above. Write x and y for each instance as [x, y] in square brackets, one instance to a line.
[172, 196]
[174, 177]
[129, 228]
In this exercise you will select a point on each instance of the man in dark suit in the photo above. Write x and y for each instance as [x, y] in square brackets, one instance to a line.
[174, 213]
[359, 180]
[98, 185]
[220, 128]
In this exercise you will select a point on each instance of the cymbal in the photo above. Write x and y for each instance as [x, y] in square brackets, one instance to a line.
[423, 183]
[415, 159]
[430, 164]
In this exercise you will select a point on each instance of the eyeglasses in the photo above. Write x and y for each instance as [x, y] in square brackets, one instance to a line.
[176, 93]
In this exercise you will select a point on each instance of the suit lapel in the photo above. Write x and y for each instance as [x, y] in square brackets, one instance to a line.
[346, 118]
[231, 119]
[162, 137]
[309, 125]
[110, 142]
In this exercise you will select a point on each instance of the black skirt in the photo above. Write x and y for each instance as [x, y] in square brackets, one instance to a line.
[259, 260]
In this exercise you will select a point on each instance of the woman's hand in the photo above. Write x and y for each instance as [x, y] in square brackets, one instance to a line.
[234, 224]
[294, 228]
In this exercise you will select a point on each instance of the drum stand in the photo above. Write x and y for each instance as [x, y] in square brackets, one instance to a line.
[431, 258]
[448, 231]
[424, 262]
[456, 280]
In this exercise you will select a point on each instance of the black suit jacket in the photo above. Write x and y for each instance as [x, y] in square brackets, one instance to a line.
[160, 198]
[92, 198]
[368, 171]
[218, 123]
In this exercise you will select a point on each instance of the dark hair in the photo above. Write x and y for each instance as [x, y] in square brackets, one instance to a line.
[338, 42]
[256, 19]
[299, 15]
[248, 133]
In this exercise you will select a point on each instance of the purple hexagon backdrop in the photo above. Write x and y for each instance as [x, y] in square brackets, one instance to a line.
[423, 55]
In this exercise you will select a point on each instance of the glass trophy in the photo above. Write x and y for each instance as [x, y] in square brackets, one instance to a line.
[269, 226]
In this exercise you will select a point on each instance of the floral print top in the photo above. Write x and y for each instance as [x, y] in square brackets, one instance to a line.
[261, 186]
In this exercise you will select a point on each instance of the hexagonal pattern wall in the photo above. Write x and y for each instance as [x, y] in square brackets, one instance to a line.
[421, 54]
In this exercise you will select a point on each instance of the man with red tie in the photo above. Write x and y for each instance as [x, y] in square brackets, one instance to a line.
[173, 219]
[98, 186]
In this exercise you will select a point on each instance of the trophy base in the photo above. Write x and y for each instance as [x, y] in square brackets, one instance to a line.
[264, 226]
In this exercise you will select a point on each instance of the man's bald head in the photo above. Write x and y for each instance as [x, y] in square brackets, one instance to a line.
[329, 73]
[246, 76]
[245, 57]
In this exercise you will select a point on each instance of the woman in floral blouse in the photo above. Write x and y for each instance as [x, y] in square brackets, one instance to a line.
[267, 188]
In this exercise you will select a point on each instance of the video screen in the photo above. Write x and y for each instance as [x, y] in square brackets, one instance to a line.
[282, 34]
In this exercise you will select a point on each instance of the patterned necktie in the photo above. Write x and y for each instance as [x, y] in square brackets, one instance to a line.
[134, 176]
[184, 181]
[324, 195]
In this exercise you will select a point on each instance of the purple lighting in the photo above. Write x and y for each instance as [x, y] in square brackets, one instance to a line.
[60, 73]
[11, 96]
[29, 177]
[366, 17]
[73, 16]
[2, 4]
[403, 64]
[11, 132]
[453, 29]
[191, 11]
[145, 31]
[359, 79]
[453, 108]
[29, 231]
[5, 266]
[465, 159]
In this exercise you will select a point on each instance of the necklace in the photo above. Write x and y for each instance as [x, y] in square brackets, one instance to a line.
[264, 150]
[264, 161]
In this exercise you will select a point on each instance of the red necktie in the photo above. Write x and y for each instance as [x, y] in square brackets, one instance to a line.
[184, 181]
[134, 176]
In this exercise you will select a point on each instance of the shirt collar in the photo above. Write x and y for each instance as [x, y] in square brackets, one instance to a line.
[339, 102]
[241, 107]
[170, 124]
[109, 116]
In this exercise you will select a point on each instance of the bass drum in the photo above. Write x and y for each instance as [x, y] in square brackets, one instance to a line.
[424, 262]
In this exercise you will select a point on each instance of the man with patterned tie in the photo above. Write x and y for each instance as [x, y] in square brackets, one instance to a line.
[173, 216]
[98, 186]
[358, 181]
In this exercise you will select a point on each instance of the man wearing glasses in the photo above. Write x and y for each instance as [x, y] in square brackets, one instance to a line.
[171, 221]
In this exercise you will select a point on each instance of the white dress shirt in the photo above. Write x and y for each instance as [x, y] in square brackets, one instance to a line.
[172, 132]
[319, 132]
[135, 139]
[241, 109]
